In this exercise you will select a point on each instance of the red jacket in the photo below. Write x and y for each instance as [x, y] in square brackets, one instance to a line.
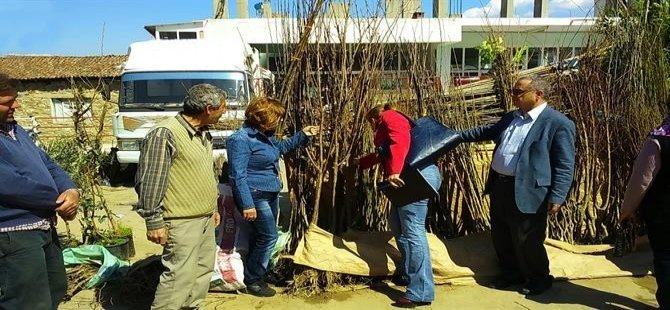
[393, 128]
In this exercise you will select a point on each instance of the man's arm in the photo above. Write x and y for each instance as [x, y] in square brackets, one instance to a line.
[487, 132]
[68, 198]
[22, 192]
[158, 151]
[62, 179]
[562, 159]
[646, 167]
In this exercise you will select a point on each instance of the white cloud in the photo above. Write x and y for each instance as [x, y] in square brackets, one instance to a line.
[571, 4]
[524, 8]
[491, 9]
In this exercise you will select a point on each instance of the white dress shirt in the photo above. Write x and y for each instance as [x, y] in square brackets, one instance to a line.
[507, 153]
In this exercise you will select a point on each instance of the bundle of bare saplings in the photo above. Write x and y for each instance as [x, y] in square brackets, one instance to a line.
[335, 70]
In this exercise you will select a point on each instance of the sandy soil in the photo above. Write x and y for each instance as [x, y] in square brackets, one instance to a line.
[611, 293]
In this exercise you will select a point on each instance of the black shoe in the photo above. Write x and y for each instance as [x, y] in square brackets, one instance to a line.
[536, 287]
[400, 280]
[503, 282]
[403, 302]
[260, 289]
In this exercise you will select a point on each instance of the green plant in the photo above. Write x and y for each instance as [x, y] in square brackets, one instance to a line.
[83, 158]
[494, 47]
[64, 152]
[491, 48]
[110, 238]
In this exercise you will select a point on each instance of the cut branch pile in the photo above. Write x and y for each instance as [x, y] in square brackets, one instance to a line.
[615, 97]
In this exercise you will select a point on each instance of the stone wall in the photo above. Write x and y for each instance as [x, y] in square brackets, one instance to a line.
[37, 100]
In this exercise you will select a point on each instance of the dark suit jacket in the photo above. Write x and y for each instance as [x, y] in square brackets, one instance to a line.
[546, 163]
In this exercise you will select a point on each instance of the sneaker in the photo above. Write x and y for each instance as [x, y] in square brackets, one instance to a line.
[403, 302]
[260, 289]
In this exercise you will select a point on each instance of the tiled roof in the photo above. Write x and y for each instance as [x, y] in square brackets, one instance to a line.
[57, 67]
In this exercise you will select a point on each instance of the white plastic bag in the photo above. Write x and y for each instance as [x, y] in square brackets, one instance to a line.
[228, 267]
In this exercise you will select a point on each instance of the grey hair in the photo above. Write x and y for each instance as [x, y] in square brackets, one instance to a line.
[200, 96]
[538, 82]
[7, 82]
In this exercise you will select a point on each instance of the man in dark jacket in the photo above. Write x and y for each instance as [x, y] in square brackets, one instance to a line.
[33, 189]
[531, 173]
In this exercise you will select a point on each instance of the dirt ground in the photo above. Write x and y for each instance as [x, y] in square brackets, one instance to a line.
[609, 293]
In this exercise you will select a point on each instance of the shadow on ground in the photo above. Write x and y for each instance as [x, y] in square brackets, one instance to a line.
[573, 294]
[384, 288]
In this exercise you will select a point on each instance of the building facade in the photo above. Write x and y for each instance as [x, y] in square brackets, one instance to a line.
[47, 96]
[453, 41]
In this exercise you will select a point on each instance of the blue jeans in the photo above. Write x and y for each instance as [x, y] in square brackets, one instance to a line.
[263, 235]
[408, 224]
[32, 274]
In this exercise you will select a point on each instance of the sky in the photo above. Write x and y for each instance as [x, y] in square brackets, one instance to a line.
[102, 27]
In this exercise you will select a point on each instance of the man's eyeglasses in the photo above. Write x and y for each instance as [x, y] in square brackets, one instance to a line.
[518, 92]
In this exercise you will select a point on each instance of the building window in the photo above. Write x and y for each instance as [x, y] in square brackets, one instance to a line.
[457, 59]
[550, 56]
[188, 35]
[523, 60]
[168, 35]
[471, 62]
[391, 59]
[565, 53]
[534, 57]
[275, 62]
[63, 108]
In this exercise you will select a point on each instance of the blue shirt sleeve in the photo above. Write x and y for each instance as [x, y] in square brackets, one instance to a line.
[287, 145]
[61, 178]
[238, 151]
[23, 192]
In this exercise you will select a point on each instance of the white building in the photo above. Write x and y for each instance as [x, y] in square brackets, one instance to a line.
[453, 40]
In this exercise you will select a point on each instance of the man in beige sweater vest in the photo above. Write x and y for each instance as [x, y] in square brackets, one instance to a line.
[177, 190]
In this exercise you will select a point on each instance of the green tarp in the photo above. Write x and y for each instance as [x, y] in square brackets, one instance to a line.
[110, 265]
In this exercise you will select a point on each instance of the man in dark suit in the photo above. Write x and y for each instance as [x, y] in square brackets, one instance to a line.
[531, 173]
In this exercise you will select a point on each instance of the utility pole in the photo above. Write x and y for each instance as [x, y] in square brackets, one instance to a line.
[220, 9]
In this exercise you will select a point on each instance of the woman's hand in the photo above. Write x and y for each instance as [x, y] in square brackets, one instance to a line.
[395, 180]
[249, 214]
[217, 218]
[311, 130]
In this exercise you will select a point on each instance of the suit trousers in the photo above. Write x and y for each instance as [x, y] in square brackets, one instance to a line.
[518, 238]
[659, 240]
[188, 263]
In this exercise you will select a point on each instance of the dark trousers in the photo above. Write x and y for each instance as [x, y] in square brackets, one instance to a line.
[518, 238]
[32, 274]
[659, 239]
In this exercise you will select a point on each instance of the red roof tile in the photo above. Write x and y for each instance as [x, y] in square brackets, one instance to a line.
[58, 67]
